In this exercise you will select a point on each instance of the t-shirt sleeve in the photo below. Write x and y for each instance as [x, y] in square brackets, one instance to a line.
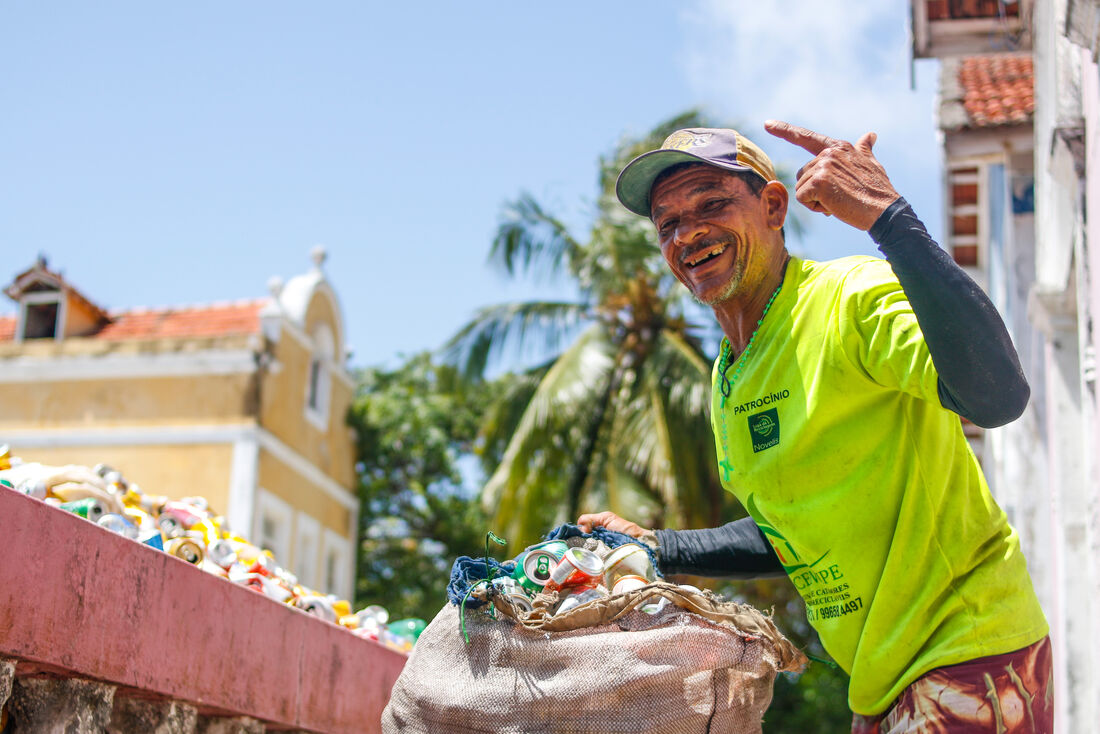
[879, 332]
[980, 376]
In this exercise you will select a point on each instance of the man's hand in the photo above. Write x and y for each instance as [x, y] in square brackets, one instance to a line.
[611, 521]
[843, 180]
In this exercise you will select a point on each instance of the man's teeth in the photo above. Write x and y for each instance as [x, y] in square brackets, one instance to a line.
[703, 256]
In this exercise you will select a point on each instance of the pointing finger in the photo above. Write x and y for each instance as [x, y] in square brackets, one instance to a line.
[802, 137]
[866, 142]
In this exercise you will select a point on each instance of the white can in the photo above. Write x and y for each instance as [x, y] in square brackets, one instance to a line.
[629, 583]
[629, 559]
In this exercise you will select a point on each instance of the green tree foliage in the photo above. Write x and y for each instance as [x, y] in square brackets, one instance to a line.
[413, 426]
[616, 417]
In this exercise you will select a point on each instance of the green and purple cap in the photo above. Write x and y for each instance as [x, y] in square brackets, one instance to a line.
[718, 147]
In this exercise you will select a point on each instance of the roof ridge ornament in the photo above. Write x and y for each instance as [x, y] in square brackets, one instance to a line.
[318, 254]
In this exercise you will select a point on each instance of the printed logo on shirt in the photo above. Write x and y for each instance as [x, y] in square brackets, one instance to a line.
[764, 429]
[822, 584]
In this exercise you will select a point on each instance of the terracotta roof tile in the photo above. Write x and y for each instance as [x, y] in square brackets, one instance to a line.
[957, 9]
[218, 319]
[997, 89]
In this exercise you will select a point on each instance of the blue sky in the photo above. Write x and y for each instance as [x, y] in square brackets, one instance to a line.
[165, 154]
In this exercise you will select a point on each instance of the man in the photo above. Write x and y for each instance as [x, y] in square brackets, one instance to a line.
[834, 406]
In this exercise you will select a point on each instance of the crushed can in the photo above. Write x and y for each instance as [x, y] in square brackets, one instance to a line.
[629, 583]
[221, 552]
[186, 549]
[577, 596]
[118, 524]
[578, 567]
[513, 593]
[628, 559]
[318, 606]
[88, 508]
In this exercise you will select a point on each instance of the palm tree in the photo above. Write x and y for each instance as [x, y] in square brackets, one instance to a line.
[617, 417]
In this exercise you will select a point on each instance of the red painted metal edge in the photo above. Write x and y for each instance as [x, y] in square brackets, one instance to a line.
[79, 598]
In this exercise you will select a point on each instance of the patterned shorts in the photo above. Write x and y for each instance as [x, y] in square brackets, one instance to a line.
[1001, 694]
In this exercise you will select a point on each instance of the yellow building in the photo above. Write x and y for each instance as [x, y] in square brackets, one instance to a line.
[243, 403]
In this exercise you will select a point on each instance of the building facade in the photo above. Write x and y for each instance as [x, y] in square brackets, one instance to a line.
[242, 403]
[1020, 113]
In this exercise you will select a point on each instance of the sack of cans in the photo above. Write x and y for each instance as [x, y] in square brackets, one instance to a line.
[580, 633]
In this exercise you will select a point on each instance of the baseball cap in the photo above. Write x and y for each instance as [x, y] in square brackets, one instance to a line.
[719, 147]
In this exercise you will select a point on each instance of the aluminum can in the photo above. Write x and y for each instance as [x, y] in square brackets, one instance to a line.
[538, 563]
[520, 576]
[221, 552]
[118, 524]
[628, 559]
[374, 612]
[629, 583]
[557, 547]
[513, 591]
[318, 606]
[186, 549]
[578, 567]
[88, 508]
[577, 596]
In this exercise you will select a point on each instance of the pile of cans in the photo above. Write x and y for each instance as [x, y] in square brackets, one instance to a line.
[189, 530]
[577, 575]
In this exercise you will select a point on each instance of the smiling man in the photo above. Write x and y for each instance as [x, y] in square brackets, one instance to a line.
[835, 406]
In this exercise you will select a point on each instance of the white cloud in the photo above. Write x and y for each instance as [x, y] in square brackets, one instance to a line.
[836, 66]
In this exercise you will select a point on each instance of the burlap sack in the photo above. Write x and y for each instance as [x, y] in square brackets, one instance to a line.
[699, 665]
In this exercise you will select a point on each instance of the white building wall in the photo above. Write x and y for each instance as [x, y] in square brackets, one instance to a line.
[1089, 296]
[1062, 308]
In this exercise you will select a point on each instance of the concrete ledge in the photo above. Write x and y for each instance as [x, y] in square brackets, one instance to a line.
[78, 600]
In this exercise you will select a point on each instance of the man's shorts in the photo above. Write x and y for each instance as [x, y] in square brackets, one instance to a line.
[1011, 693]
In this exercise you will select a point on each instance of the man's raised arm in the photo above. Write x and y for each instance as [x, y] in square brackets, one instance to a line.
[980, 376]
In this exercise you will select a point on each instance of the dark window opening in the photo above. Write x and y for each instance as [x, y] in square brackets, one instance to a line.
[40, 321]
[315, 384]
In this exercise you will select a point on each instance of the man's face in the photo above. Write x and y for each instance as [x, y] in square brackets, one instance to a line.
[714, 232]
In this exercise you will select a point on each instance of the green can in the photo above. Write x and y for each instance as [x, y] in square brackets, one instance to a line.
[534, 565]
[89, 508]
[521, 577]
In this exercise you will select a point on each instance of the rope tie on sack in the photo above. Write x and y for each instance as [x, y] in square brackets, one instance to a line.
[488, 581]
[832, 664]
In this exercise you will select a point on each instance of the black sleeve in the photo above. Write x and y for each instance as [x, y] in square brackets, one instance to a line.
[737, 550]
[980, 377]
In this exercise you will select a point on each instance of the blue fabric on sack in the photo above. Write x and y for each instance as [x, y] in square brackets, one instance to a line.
[468, 571]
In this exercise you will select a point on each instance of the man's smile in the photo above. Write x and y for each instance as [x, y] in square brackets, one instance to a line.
[704, 254]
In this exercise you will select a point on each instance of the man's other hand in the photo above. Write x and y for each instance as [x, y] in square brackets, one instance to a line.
[843, 180]
[611, 521]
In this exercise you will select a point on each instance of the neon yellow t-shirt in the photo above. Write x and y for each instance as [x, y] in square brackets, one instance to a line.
[834, 439]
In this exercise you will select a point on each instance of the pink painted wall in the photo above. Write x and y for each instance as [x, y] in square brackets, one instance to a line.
[77, 597]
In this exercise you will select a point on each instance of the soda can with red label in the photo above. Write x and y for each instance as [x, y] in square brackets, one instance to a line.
[578, 567]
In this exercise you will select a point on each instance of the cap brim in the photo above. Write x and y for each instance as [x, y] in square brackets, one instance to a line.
[636, 180]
